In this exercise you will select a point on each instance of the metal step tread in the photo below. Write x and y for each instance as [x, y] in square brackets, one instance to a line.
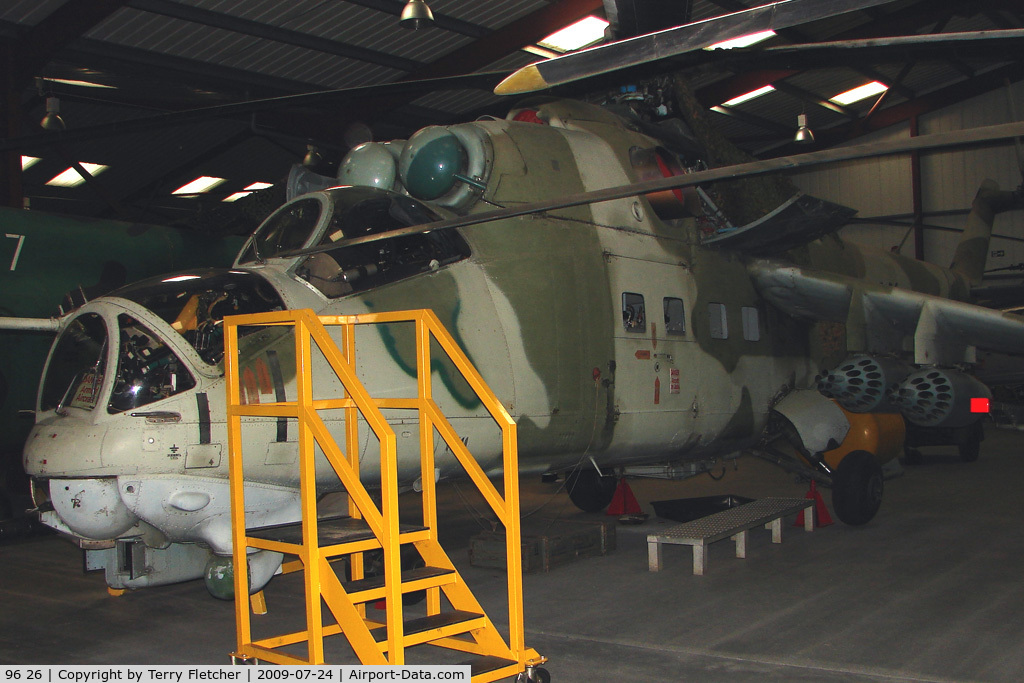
[422, 624]
[330, 531]
[373, 582]
[487, 664]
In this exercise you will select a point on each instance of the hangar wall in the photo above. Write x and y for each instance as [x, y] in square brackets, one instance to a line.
[881, 188]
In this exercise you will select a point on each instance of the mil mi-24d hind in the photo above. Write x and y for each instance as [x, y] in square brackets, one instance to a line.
[573, 254]
[613, 334]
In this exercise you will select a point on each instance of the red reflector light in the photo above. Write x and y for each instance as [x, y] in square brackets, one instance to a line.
[979, 405]
[528, 116]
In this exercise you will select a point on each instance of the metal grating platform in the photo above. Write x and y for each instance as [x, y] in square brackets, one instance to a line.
[733, 523]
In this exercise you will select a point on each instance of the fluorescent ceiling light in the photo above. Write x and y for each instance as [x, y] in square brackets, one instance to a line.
[749, 96]
[247, 191]
[584, 32]
[858, 94]
[742, 41]
[199, 185]
[28, 162]
[72, 178]
[540, 52]
[82, 84]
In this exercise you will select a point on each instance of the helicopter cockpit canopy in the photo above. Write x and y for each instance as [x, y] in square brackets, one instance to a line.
[194, 303]
[341, 213]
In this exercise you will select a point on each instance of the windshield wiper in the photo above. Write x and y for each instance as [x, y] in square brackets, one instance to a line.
[256, 250]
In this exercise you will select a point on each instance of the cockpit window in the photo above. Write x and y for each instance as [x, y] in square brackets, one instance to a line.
[147, 369]
[195, 303]
[360, 211]
[289, 228]
[75, 371]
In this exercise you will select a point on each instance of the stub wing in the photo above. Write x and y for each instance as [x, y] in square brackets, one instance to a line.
[799, 220]
[885, 319]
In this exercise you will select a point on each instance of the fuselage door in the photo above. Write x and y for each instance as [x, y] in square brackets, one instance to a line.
[654, 383]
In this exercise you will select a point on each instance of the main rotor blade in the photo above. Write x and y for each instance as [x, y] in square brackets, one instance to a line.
[754, 168]
[674, 41]
[483, 80]
[995, 43]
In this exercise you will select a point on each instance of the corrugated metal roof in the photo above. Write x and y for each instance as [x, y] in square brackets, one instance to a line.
[492, 14]
[176, 37]
[28, 12]
[367, 46]
[458, 101]
[358, 26]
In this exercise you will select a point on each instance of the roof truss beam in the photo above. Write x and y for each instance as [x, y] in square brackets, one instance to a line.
[308, 41]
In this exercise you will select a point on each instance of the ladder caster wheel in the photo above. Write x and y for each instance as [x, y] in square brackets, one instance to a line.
[534, 675]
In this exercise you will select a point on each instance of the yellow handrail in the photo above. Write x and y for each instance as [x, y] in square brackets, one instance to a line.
[383, 522]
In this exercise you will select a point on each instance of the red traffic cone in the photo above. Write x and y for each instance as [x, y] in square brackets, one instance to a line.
[623, 501]
[821, 515]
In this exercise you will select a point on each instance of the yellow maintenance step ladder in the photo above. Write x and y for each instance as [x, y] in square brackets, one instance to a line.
[454, 618]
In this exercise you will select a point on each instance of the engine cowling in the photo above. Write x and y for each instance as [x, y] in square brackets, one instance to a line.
[937, 397]
[862, 383]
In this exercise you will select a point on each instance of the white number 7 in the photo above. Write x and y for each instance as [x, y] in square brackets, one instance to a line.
[17, 249]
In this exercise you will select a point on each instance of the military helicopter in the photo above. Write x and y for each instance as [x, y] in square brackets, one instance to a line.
[624, 322]
[54, 263]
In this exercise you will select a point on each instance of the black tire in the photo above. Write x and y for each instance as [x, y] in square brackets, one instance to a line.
[969, 446]
[540, 675]
[588, 491]
[857, 486]
[969, 451]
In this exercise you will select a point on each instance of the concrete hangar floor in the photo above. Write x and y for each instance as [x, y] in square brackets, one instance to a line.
[930, 590]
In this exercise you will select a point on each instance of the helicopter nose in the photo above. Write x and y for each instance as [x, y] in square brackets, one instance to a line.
[92, 508]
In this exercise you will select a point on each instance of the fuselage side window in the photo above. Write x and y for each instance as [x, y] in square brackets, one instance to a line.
[717, 321]
[675, 316]
[634, 318]
[751, 323]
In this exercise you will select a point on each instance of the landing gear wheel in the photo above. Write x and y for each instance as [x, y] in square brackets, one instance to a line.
[969, 446]
[857, 488]
[969, 451]
[589, 491]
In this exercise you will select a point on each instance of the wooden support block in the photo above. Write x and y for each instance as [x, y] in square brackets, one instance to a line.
[653, 555]
[741, 544]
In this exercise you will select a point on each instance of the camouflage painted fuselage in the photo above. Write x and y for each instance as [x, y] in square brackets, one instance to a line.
[606, 330]
[539, 308]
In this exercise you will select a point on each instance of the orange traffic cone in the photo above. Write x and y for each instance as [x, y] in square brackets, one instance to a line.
[821, 515]
[623, 501]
